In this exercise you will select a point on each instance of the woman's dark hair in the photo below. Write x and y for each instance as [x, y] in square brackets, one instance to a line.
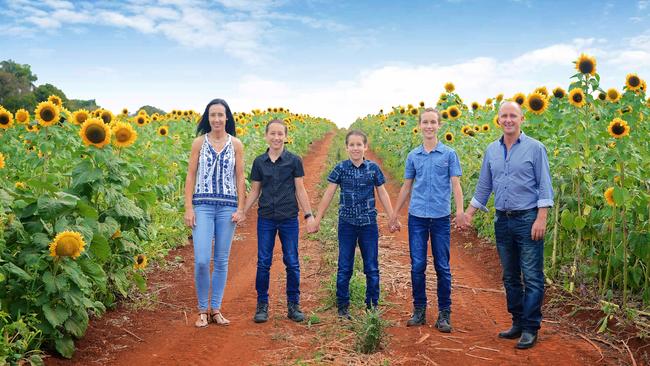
[204, 124]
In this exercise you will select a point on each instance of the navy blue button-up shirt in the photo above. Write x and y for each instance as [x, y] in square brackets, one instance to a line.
[520, 178]
[357, 197]
[431, 173]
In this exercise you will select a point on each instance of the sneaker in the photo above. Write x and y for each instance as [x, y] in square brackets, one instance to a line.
[444, 322]
[261, 312]
[419, 317]
[344, 313]
[294, 312]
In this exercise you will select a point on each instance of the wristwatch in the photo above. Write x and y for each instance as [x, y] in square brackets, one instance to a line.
[308, 215]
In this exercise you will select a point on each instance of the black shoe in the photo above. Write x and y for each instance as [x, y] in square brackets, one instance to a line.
[512, 333]
[294, 312]
[419, 317]
[344, 313]
[444, 321]
[527, 340]
[261, 312]
[372, 307]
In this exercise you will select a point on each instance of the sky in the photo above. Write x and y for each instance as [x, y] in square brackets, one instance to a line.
[336, 59]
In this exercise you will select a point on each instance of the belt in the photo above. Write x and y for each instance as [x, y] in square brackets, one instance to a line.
[515, 213]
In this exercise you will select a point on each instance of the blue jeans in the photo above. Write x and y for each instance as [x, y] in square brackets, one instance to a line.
[522, 258]
[266, 231]
[368, 238]
[212, 223]
[439, 230]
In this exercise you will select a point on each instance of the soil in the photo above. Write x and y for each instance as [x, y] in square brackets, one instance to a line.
[161, 330]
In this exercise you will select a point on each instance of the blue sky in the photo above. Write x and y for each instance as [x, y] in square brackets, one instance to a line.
[339, 60]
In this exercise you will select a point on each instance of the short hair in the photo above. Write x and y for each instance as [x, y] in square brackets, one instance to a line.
[356, 133]
[521, 111]
[429, 109]
[278, 121]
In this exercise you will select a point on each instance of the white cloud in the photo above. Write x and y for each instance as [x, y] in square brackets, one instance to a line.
[643, 4]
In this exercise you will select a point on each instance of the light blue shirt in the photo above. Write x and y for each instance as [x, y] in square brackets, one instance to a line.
[520, 178]
[431, 174]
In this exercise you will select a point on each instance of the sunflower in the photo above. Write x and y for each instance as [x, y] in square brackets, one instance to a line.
[402, 123]
[647, 103]
[559, 93]
[95, 132]
[495, 121]
[6, 119]
[443, 97]
[125, 112]
[67, 244]
[537, 103]
[618, 128]
[20, 185]
[142, 112]
[499, 97]
[613, 95]
[22, 116]
[56, 100]
[80, 116]
[239, 131]
[602, 96]
[542, 90]
[117, 234]
[449, 137]
[124, 134]
[632, 82]
[454, 112]
[402, 110]
[485, 127]
[414, 111]
[644, 86]
[140, 261]
[520, 98]
[141, 120]
[476, 128]
[475, 105]
[586, 65]
[577, 97]
[415, 130]
[46, 113]
[445, 114]
[163, 130]
[449, 87]
[421, 103]
[2, 161]
[488, 101]
[106, 116]
[609, 196]
[465, 130]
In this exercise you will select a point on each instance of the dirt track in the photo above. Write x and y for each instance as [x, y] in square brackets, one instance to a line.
[166, 335]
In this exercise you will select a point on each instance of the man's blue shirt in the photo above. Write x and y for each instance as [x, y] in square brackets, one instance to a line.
[520, 178]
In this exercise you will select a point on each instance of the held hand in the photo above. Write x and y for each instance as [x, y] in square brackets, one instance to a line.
[539, 229]
[468, 219]
[460, 220]
[190, 219]
[312, 225]
[238, 217]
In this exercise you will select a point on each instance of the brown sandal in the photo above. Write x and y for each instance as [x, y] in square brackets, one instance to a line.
[218, 318]
[202, 321]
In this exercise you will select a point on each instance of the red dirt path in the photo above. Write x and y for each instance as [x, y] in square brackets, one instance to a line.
[166, 335]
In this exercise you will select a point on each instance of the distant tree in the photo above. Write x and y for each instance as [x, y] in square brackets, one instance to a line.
[42, 92]
[151, 110]
[75, 104]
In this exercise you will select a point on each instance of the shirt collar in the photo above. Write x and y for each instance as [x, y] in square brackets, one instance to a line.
[282, 156]
[438, 148]
[521, 137]
[363, 163]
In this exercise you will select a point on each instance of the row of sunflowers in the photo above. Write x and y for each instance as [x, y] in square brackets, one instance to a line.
[90, 198]
[598, 142]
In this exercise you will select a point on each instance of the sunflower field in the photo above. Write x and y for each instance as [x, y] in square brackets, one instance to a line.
[88, 199]
[598, 142]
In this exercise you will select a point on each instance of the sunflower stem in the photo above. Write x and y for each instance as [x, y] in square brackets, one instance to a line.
[611, 252]
[555, 229]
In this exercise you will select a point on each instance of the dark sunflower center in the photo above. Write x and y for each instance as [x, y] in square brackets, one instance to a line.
[485, 128]
[453, 113]
[163, 132]
[618, 129]
[445, 115]
[558, 94]
[536, 104]
[520, 100]
[47, 115]
[448, 137]
[81, 118]
[106, 118]
[95, 134]
[140, 259]
[474, 106]
[577, 98]
[4, 119]
[123, 135]
[586, 67]
[634, 81]
[140, 121]
[471, 132]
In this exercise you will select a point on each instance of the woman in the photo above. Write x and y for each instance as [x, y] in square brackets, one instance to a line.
[214, 201]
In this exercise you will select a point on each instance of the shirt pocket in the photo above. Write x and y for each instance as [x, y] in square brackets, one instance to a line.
[419, 168]
[442, 168]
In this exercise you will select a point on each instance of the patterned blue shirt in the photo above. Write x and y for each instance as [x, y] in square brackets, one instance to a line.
[357, 198]
[431, 173]
[520, 178]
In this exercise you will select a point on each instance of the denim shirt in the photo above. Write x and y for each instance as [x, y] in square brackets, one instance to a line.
[431, 172]
[520, 178]
[357, 197]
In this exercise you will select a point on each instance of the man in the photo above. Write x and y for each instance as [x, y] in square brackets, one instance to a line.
[515, 168]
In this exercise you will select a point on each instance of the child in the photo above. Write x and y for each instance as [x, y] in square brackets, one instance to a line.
[278, 175]
[432, 169]
[358, 179]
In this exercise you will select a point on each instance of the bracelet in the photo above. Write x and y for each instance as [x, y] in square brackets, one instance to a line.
[308, 215]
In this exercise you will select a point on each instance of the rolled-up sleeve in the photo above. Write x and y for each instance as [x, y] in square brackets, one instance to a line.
[409, 169]
[543, 177]
[484, 185]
